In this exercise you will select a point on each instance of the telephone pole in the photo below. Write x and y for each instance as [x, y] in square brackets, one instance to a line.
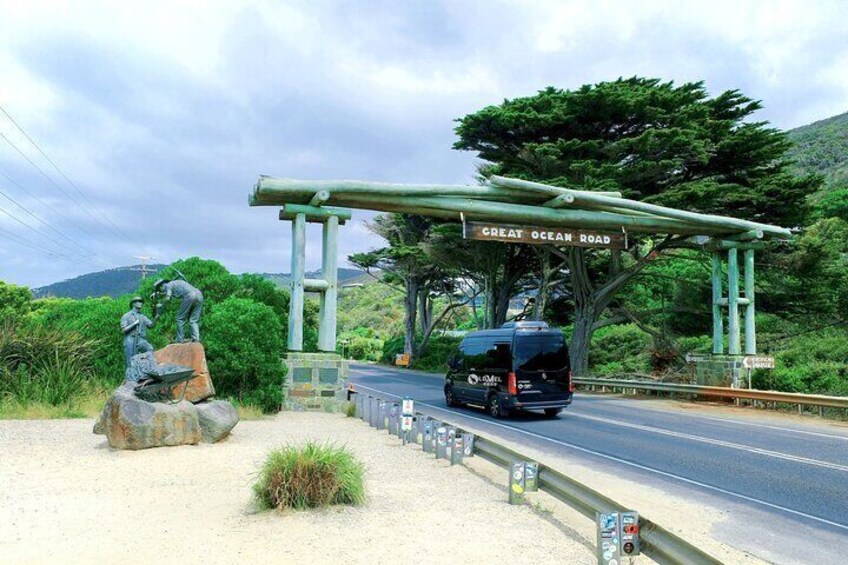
[144, 259]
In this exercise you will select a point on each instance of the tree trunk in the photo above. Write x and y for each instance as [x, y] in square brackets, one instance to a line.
[425, 309]
[410, 306]
[585, 313]
[581, 338]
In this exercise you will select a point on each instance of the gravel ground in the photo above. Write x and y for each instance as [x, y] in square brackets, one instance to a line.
[66, 497]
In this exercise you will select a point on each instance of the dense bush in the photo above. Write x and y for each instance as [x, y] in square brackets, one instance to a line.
[43, 366]
[243, 342]
[620, 349]
[95, 321]
[434, 358]
[311, 476]
[15, 301]
[815, 363]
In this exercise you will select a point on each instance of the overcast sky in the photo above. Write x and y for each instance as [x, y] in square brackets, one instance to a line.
[162, 114]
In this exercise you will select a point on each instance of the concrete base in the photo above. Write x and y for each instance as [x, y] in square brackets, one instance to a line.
[315, 380]
[718, 370]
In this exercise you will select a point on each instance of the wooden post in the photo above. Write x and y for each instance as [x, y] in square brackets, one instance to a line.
[329, 270]
[718, 321]
[733, 341]
[750, 325]
[298, 262]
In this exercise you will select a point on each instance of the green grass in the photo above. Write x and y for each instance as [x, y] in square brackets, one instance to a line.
[309, 476]
[87, 405]
[350, 409]
[248, 411]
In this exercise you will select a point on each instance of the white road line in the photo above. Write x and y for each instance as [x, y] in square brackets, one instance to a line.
[728, 421]
[719, 442]
[675, 412]
[629, 463]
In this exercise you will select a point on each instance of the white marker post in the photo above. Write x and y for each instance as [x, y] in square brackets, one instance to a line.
[407, 413]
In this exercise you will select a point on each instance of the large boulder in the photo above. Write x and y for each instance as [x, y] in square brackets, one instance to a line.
[217, 419]
[188, 355]
[131, 423]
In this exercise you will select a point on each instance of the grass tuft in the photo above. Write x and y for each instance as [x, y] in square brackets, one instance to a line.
[248, 411]
[309, 476]
[350, 410]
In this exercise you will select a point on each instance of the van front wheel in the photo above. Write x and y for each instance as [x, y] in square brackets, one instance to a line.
[450, 399]
[495, 408]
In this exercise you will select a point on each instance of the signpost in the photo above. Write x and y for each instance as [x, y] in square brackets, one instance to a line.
[540, 235]
[751, 362]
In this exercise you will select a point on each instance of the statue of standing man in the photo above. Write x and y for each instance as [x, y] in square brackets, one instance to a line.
[191, 304]
[134, 326]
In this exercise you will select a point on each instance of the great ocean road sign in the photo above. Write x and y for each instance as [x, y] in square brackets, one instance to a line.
[540, 235]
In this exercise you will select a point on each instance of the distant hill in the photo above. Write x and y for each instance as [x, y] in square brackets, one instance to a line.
[123, 280]
[822, 147]
[113, 282]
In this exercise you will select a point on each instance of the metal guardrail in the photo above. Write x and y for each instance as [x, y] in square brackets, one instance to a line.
[657, 543]
[720, 392]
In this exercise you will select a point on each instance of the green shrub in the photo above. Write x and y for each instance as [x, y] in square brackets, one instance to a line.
[434, 358]
[620, 349]
[310, 476]
[361, 347]
[94, 322]
[243, 346]
[43, 366]
[350, 409]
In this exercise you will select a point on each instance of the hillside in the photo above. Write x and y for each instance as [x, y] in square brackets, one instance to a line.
[112, 282]
[123, 280]
[822, 147]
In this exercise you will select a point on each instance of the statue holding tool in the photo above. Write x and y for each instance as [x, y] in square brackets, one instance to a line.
[191, 304]
[134, 326]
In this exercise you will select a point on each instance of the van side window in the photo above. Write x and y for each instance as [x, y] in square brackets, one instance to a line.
[474, 354]
[498, 356]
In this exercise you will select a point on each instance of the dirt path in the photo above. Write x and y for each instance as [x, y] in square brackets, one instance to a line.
[65, 497]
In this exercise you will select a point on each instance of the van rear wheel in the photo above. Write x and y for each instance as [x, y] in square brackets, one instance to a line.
[495, 408]
[552, 412]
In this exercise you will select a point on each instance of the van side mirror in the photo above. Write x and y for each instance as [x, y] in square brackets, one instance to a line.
[453, 363]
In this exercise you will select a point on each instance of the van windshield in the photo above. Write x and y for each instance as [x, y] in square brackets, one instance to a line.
[541, 353]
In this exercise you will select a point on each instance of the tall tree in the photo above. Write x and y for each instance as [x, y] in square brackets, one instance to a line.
[652, 141]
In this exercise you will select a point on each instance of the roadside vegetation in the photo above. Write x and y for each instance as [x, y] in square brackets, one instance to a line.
[309, 476]
[639, 312]
[60, 357]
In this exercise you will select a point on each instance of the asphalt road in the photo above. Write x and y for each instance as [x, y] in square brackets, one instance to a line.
[789, 477]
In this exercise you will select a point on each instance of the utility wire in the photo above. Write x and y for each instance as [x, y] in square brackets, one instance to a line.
[49, 207]
[18, 220]
[50, 180]
[18, 239]
[116, 228]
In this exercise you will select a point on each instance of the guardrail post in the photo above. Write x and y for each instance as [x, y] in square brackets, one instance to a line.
[531, 476]
[516, 482]
[468, 444]
[372, 411]
[394, 411]
[427, 436]
[441, 442]
[357, 405]
[381, 415]
[456, 450]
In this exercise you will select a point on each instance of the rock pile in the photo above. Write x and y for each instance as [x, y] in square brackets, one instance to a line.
[129, 422]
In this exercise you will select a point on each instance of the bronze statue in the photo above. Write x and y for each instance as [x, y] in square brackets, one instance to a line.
[134, 326]
[191, 304]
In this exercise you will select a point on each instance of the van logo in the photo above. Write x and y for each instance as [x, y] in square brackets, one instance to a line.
[487, 380]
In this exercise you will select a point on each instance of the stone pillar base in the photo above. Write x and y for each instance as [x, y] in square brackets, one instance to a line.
[315, 381]
[717, 370]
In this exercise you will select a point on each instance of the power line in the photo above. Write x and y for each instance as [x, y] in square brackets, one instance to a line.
[18, 220]
[49, 179]
[18, 239]
[49, 207]
[70, 182]
[37, 218]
